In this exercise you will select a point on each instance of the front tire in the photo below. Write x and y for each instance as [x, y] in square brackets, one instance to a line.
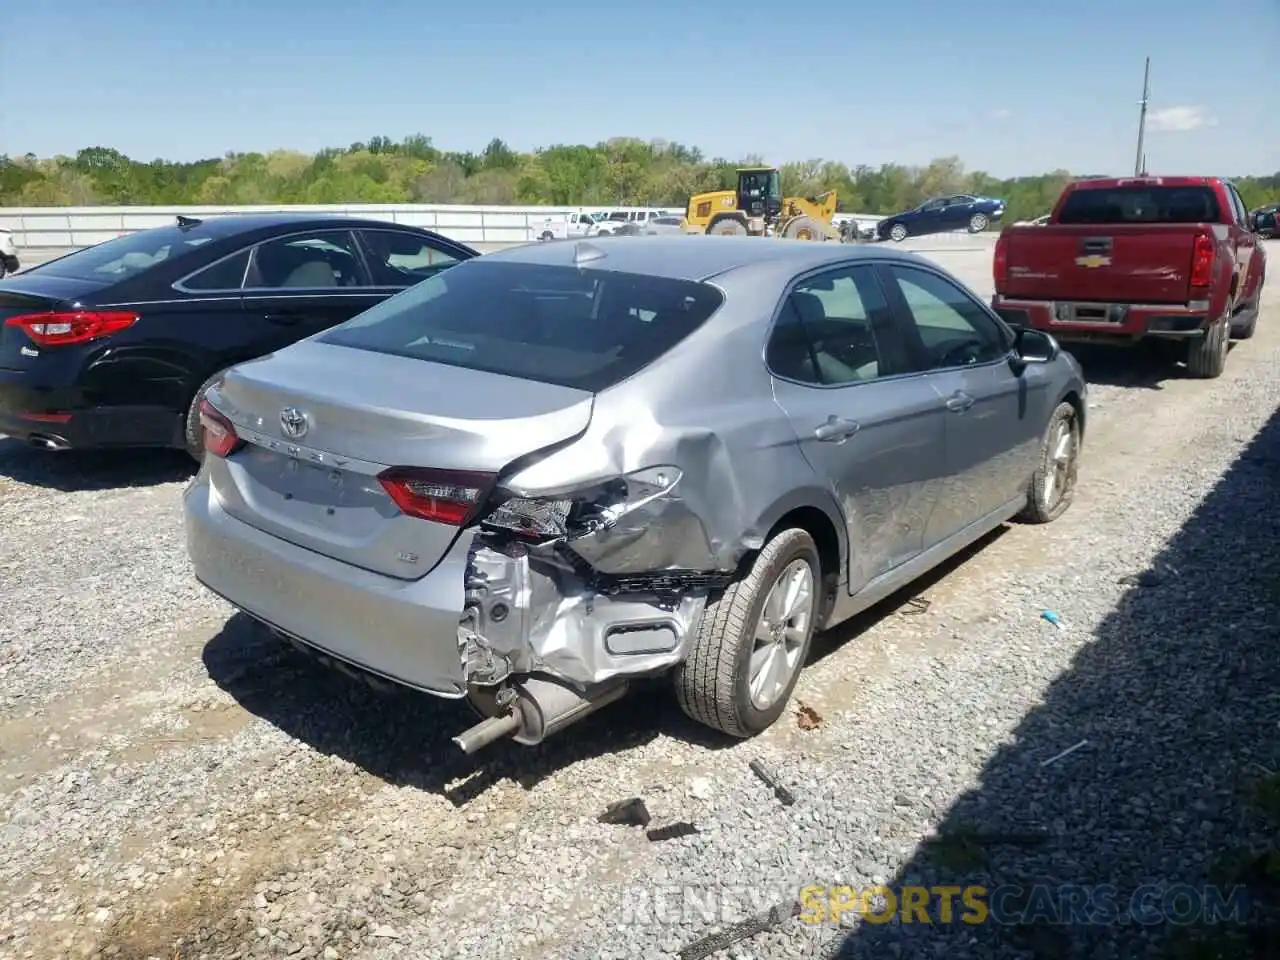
[1053, 485]
[753, 639]
[898, 232]
[1207, 356]
[978, 222]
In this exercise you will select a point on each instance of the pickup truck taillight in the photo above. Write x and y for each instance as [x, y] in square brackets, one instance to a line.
[1000, 261]
[1202, 256]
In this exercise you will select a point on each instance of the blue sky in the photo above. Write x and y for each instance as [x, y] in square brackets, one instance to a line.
[1009, 87]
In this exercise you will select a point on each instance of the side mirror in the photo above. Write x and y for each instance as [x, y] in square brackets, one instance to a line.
[1034, 346]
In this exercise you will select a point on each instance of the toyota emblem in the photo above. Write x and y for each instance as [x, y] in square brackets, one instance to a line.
[293, 422]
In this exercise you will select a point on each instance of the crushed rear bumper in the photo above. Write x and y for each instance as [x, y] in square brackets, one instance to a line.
[489, 611]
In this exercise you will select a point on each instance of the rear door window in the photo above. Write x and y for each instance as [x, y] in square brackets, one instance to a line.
[586, 329]
[836, 328]
[1140, 203]
[318, 260]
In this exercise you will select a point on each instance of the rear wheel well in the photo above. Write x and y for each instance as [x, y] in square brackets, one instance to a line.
[819, 526]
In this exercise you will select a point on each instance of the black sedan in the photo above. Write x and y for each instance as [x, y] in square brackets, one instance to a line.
[114, 345]
[942, 215]
[1266, 220]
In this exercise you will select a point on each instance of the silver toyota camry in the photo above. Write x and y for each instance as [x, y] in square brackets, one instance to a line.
[548, 471]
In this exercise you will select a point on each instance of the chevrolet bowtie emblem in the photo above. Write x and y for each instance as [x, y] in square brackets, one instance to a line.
[1092, 261]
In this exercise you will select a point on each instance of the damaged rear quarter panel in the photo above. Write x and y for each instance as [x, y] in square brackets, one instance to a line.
[707, 408]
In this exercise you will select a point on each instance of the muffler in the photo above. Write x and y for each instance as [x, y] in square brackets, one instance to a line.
[541, 708]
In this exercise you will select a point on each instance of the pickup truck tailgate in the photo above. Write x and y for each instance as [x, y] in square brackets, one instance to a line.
[1129, 263]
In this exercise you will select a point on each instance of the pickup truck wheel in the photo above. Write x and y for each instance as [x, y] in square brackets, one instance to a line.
[898, 232]
[978, 222]
[1250, 326]
[1053, 485]
[753, 639]
[1207, 355]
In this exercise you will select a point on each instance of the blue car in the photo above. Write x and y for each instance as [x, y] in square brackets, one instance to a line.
[942, 215]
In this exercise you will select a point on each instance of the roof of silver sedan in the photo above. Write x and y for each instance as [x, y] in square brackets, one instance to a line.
[689, 257]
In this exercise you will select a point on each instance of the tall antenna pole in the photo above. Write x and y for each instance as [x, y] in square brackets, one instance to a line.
[1139, 161]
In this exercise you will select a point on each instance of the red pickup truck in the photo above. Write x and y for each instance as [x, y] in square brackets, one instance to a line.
[1120, 260]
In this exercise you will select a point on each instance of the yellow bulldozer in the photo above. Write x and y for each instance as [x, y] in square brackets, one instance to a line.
[758, 209]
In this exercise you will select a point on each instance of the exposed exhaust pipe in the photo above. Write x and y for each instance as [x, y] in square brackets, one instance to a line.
[487, 731]
[46, 443]
[542, 707]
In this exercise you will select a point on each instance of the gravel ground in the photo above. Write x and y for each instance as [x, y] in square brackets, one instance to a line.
[172, 783]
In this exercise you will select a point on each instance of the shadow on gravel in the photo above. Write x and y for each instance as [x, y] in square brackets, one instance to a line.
[1176, 785]
[911, 600]
[403, 737]
[1146, 366]
[80, 470]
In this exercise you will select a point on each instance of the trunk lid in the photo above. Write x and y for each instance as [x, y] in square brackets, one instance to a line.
[32, 294]
[366, 412]
[1115, 263]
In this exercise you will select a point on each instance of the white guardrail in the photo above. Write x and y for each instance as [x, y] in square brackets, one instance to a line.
[73, 227]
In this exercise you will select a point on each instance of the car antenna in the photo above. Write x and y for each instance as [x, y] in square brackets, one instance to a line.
[186, 222]
[584, 252]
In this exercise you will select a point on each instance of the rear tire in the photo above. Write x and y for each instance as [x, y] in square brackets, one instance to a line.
[728, 227]
[193, 434]
[1053, 485]
[714, 685]
[1207, 355]
[804, 228]
[1250, 326]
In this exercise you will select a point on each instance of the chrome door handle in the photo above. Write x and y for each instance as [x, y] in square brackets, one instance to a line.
[959, 402]
[836, 429]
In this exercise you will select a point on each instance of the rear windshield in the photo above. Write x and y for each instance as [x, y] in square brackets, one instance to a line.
[125, 256]
[586, 329]
[1140, 204]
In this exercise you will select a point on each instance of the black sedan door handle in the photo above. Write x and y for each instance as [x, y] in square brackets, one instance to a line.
[836, 429]
[286, 317]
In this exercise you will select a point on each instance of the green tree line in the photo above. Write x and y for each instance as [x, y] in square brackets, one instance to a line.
[622, 172]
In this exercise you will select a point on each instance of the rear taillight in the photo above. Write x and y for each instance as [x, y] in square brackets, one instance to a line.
[453, 497]
[1202, 256]
[1000, 261]
[66, 328]
[220, 436]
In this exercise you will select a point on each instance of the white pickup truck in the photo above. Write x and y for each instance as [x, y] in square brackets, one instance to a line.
[8, 253]
[562, 226]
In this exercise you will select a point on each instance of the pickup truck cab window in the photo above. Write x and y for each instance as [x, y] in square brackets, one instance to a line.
[1141, 203]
